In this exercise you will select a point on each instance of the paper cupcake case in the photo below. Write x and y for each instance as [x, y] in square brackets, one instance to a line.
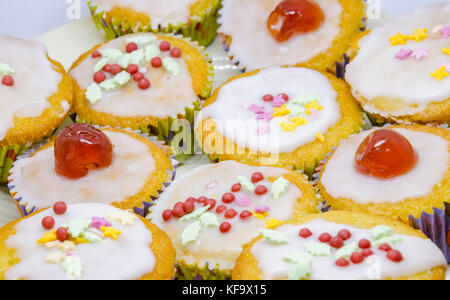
[26, 208]
[202, 27]
[194, 272]
[8, 155]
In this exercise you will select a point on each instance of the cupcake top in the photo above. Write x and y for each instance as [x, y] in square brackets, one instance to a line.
[378, 166]
[27, 80]
[110, 175]
[275, 110]
[325, 250]
[81, 241]
[406, 62]
[210, 212]
[159, 12]
[249, 24]
[137, 75]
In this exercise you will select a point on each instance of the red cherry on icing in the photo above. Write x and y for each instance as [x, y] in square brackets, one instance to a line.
[394, 255]
[60, 207]
[230, 214]
[225, 227]
[116, 69]
[99, 77]
[96, 54]
[133, 69]
[236, 188]
[211, 203]
[62, 234]
[357, 257]
[220, 209]
[79, 148]
[228, 198]
[167, 215]
[245, 214]
[178, 212]
[144, 83]
[131, 47]
[336, 242]
[366, 252]
[8, 80]
[342, 262]
[385, 154]
[188, 206]
[257, 177]
[305, 233]
[165, 46]
[202, 199]
[156, 62]
[385, 247]
[48, 222]
[261, 190]
[344, 234]
[325, 237]
[175, 52]
[364, 244]
[138, 76]
[268, 98]
[294, 16]
[107, 68]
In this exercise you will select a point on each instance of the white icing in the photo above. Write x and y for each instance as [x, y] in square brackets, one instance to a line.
[160, 12]
[213, 246]
[34, 81]
[245, 21]
[419, 255]
[239, 124]
[36, 181]
[168, 95]
[376, 73]
[129, 257]
[341, 180]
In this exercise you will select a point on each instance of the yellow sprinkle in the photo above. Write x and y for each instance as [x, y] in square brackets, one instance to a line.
[398, 39]
[47, 237]
[299, 121]
[440, 74]
[446, 51]
[288, 126]
[419, 34]
[110, 232]
[320, 137]
[80, 240]
[260, 216]
[280, 111]
[273, 223]
[312, 105]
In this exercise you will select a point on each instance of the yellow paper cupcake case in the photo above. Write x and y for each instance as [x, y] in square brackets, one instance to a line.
[202, 26]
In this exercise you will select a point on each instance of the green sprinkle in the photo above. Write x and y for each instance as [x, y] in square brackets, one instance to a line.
[303, 99]
[279, 187]
[151, 51]
[91, 237]
[112, 54]
[122, 78]
[6, 69]
[137, 57]
[109, 85]
[390, 240]
[73, 267]
[318, 249]
[295, 110]
[301, 270]
[246, 183]
[77, 226]
[100, 64]
[191, 233]
[275, 237]
[124, 60]
[93, 93]
[195, 214]
[381, 231]
[297, 257]
[209, 220]
[347, 250]
[141, 40]
[171, 66]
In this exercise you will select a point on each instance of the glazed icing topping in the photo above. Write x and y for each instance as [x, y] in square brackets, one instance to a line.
[203, 239]
[130, 169]
[341, 179]
[34, 81]
[160, 12]
[401, 61]
[245, 21]
[124, 256]
[419, 255]
[276, 126]
[170, 92]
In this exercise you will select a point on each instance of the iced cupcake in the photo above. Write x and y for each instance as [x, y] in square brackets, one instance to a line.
[36, 95]
[196, 19]
[86, 241]
[141, 81]
[210, 212]
[110, 166]
[341, 246]
[288, 117]
[268, 33]
[397, 172]
[401, 72]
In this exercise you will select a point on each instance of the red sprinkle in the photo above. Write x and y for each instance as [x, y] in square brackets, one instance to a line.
[191, 199]
[178, 212]
[60, 207]
[305, 233]
[364, 244]
[156, 62]
[144, 83]
[8, 80]
[138, 76]
[336, 242]
[62, 234]
[357, 257]
[395, 255]
[107, 68]
[202, 199]
[325, 237]
[176, 52]
[116, 69]
[236, 188]
[167, 215]
[133, 69]
[96, 54]
[220, 209]
[48, 222]
[245, 214]
[211, 203]
[225, 227]
[99, 77]
[284, 96]
[260, 190]
[165, 46]
[228, 198]
[257, 177]
[230, 214]
[342, 262]
[268, 98]
[131, 47]
[367, 252]
[344, 234]
[188, 206]
[385, 247]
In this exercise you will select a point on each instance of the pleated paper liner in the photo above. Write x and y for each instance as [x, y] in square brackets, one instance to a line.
[8, 155]
[202, 27]
[194, 272]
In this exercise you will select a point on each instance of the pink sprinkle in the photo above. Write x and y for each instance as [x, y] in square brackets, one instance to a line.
[420, 53]
[262, 208]
[445, 32]
[278, 101]
[98, 222]
[403, 54]
[257, 109]
[243, 201]
[212, 184]
[262, 130]
[265, 116]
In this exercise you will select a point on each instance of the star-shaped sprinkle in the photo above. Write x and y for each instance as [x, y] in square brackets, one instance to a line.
[81, 240]
[273, 223]
[123, 218]
[261, 209]
[420, 54]
[445, 32]
[419, 34]
[97, 222]
[47, 237]
[288, 126]
[312, 105]
[446, 65]
[398, 39]
[265, 117]
[110, 232]
[446, 51]
[257, 109]
[67, 246]
[260, 216]
[243, 201]
[278, 101]
[403, 54]
[320, 137]
[55, 258]
[440, 74]
[280, 111]
[299, 121]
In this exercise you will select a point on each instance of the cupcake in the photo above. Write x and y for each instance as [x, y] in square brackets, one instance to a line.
[314, 33]
[288, 117]
[141, 81]
[396, 171]
[401, 71]
[341, 246]
[211, 211]
[196, 19]
[36, 97]
[109, 166]
[86, 241]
